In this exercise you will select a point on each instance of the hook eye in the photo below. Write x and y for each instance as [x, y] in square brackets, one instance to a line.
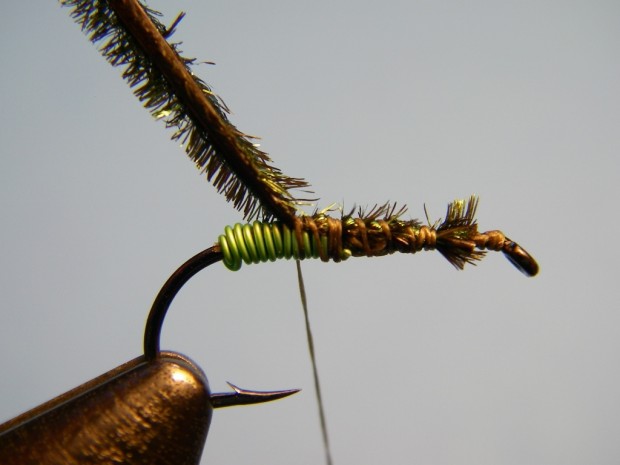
[520, 258]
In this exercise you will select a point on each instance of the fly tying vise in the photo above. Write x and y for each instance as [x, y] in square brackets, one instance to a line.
[155, 409]
[380, 232]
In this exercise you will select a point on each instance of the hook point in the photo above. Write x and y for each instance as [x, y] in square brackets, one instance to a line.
[246, 397]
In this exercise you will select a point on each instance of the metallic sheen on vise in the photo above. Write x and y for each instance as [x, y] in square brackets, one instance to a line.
[142, 412]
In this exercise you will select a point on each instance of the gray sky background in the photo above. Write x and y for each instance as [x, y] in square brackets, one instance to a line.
[416, 102]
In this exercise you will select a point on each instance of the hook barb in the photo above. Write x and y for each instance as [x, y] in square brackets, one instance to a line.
[247, 397]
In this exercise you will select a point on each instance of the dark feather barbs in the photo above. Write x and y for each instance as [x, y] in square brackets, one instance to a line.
[131, 36]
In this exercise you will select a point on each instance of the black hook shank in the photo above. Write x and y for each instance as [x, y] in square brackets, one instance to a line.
[167, 294]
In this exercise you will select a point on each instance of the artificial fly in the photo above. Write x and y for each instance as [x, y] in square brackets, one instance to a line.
[130, 35]
[380, 232]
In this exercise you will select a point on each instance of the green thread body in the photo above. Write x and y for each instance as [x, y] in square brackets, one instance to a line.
[262, 242]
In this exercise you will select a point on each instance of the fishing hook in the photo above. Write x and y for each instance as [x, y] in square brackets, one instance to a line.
[154, 409]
